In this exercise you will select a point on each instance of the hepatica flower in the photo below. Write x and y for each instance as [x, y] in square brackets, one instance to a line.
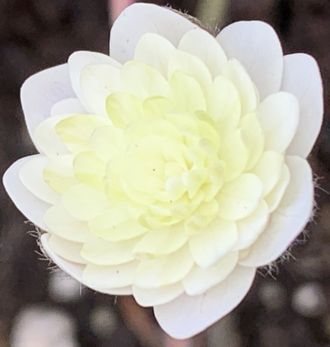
[173, 168]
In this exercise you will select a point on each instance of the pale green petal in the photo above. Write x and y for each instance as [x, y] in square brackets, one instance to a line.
[234, 154]
[224, 105]
[238, 198]
[123, 108]
[117, 224]
[213, 243]
[200, 280]
[89, 169]
[75, 131]
[187, 94]
[84, 202]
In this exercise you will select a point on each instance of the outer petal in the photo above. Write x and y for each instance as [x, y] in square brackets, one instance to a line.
[79, 60]
[157, 296]
[256, 45]
[76, 270]
[302, 78]
[67, 106]
[41, 91]
[188, 315]
[290, 217]
[31, 175]
[31, 207]
[139, 19]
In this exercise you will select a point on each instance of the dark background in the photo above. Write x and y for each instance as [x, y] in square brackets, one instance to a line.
[287, 308]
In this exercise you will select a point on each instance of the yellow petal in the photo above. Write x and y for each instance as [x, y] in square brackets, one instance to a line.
[89, 169]
[123, 108]
[75, 131]
[84, 202]
[187, 94]
[117, 224]
[224, 105]
[234, 154]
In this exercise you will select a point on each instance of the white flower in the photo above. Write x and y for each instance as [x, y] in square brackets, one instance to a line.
[174, 168]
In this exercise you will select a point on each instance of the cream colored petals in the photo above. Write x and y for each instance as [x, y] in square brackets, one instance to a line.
[252, 105]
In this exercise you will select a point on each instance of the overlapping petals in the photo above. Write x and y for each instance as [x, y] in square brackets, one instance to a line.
[174, 168]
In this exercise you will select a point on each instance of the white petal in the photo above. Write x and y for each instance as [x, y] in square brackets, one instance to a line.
[251, 227]
[157, 296]
[302, 78]
[256, 45]
[278, 115]
[41, 91]
[97, 82]
[116, 276]
[68, 250]
[46, 139]
[31, 207]
[139, 19]
[67, 106]
[79, 60]
[187, 315]
[154, 50]
[164, 270]
[31, 175]
[211, 244]
[200, 280]
[289, 219]
[202, 44]
[76, 270]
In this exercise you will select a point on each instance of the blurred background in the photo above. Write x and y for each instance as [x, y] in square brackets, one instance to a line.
[42, 307]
